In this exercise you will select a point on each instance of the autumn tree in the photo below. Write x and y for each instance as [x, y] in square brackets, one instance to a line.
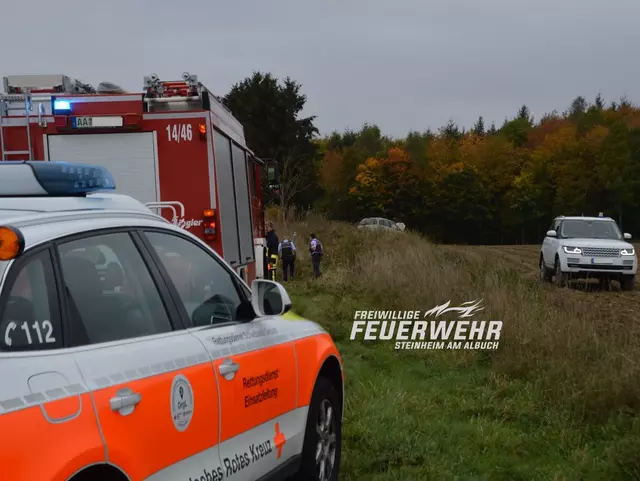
[478, 127]
[490, 185]
[388, 187]
[578, 107]
[457, 205]
[415, 145]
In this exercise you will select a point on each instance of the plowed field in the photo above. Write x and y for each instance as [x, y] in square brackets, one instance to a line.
[524, 258]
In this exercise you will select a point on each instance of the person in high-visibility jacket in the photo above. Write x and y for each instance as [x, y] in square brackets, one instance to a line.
[287, 251]
[271, 250]
[273, 267]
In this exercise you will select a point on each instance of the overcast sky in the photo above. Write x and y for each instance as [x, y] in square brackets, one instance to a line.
[401, 64]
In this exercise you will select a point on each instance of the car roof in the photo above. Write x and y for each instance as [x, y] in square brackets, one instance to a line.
[579, 217]
[99, 201]
[41, 219]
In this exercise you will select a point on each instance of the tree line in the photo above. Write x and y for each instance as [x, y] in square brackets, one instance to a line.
[485, 185]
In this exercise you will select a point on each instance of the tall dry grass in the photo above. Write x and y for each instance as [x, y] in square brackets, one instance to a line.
[580, 349]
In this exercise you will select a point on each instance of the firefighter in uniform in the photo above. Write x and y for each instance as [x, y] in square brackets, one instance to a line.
[287, 252]
[315, 249]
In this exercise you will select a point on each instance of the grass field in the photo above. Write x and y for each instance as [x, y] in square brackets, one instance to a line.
[557, 401]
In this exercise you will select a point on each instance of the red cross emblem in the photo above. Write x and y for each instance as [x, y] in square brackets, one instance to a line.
[279, 440]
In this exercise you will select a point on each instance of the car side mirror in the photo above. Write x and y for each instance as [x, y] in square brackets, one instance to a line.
[627, 236]
[552, 233]
[269, 298]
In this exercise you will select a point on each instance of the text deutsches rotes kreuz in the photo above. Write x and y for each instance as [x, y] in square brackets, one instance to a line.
[186, 223]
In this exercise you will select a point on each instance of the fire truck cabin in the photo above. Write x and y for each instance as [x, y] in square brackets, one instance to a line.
[175, 147]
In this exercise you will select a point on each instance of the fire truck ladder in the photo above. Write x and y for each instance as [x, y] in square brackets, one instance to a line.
[6, 107]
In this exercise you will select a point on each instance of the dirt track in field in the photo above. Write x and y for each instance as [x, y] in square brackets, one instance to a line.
[524, 258]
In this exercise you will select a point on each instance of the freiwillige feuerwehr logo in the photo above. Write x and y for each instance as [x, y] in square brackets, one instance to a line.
[411, 330]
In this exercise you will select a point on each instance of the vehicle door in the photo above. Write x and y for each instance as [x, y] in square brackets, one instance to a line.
[152, 383]
[254, 360]
[48, 425]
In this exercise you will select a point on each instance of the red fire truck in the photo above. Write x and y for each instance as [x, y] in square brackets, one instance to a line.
[174, 146]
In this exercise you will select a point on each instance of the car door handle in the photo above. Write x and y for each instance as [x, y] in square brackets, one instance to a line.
[228, 368]
[125, 401]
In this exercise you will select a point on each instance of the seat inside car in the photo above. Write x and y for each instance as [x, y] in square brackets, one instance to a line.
[104, 317]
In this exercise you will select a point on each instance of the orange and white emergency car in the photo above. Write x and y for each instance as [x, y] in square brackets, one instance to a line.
[174, 147]
[130, 351]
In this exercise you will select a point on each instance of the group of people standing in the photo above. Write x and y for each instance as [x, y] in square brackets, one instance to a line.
[285, 251]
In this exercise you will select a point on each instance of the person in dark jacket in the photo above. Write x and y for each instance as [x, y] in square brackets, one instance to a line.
[287, 252]
[272, 247]
[315, 249]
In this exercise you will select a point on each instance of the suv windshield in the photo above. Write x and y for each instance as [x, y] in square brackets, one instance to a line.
[590, 229]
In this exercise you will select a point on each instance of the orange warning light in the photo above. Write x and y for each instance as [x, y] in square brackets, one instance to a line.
[11, 243]
[202, 128]
[209, 212]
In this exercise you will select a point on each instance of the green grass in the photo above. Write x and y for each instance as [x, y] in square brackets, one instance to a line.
[411, 416]
[525, 412]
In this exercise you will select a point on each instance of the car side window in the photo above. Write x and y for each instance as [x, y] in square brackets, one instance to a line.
[206, 289]
[30, 317]
[110, 291]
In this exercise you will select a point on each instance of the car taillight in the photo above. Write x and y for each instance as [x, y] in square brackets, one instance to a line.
[210, 227]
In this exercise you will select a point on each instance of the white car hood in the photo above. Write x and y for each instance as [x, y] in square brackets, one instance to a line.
[610, 243]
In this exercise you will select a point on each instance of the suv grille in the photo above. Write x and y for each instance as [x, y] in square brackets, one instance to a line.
[600, 252]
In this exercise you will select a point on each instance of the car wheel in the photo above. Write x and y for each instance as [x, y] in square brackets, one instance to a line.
[323, 435]
[561, 277]
[627, 283]
[546, 274]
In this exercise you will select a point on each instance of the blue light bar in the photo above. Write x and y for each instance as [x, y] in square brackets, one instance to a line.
[64, 178]
[61, 105]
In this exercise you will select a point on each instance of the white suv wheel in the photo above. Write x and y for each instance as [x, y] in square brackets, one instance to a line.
[545, 273]
[561, 277]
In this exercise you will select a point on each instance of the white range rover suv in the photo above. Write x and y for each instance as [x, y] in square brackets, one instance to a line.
[594, 247]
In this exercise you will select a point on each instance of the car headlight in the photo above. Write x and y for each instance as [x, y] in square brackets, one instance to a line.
[627, 252]
[572, 250]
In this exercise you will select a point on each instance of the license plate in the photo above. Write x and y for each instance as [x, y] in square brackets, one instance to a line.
[95, 122]
[601, 261]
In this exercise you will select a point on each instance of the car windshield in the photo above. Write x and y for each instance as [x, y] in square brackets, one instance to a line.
[590, 229]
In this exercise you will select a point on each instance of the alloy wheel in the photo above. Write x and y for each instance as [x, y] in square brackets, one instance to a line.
[326, 441]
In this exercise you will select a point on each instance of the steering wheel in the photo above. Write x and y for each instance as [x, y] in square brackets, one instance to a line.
[212, 309]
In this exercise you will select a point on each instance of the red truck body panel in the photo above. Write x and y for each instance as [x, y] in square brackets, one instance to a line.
[193, 156]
